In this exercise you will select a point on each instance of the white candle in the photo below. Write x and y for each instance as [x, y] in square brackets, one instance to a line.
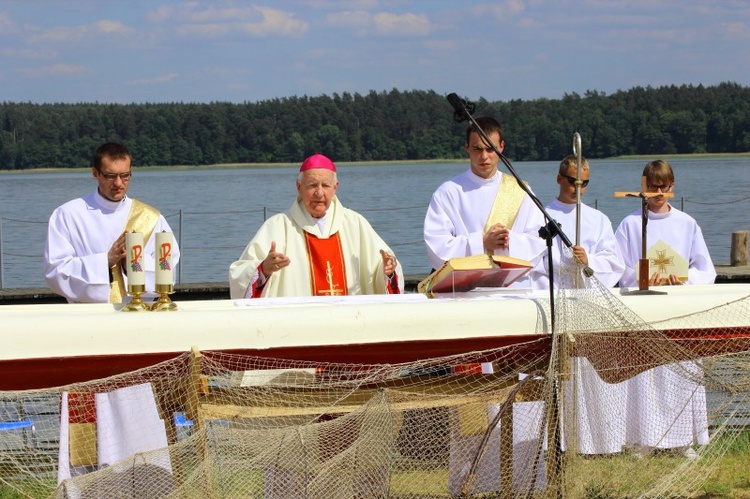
[134, 247]
[164, 270]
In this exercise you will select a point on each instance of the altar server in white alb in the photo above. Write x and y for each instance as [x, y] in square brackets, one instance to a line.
[668, 224]
[597, 249]
[598, 407]
[316, 248]
[666, 405]
[482, 210]
[85, 250]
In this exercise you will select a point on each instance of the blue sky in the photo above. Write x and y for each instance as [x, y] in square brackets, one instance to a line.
[192, 51]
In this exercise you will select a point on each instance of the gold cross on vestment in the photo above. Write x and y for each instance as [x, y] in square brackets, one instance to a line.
[332, 290]
[662, 261]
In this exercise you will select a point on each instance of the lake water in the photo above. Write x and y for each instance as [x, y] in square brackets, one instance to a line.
[215, 212]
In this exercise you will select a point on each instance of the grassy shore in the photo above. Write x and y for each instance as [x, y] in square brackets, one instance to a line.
[603, 477]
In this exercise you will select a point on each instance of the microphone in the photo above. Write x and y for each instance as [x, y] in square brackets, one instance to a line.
[461, 108]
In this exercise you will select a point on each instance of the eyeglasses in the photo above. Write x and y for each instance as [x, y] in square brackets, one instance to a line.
[573, 180]
[125, 177]
[654, 187]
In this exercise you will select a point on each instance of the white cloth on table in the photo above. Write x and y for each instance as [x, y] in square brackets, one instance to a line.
[455, 220]
[666, 405]
[127, 423]
[360, 246]
[79, 235]
[597, 238]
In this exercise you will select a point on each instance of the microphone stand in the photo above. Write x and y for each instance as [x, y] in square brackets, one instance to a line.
[548, 233]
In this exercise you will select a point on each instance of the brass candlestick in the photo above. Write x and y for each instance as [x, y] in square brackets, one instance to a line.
[164, 304]
[136, 303]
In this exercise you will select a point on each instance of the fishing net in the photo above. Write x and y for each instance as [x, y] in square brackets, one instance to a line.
[599, 403]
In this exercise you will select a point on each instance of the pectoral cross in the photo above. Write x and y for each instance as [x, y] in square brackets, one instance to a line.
[331, 291]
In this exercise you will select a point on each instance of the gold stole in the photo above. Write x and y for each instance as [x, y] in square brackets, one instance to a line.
[142, 218]
[327, 268]
[507, 203]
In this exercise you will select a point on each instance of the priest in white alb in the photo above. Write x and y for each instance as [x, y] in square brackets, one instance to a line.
[485, 211]
[482, 210]
[666, 405]
[84, 256]
[316, 248]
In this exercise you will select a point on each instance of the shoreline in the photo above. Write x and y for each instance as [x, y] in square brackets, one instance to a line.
[251, 166]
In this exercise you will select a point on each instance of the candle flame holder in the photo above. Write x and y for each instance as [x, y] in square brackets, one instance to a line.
[136, 303]
[164, 304]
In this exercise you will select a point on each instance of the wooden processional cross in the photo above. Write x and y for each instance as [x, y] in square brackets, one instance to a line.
[643, 263]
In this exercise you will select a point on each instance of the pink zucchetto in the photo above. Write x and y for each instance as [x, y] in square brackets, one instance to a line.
[317, 162]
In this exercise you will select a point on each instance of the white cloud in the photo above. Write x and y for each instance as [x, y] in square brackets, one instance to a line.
[383, 23]
[7, 26]
[29, 53]
[162, 13]
[366, 43]
[736, 31]
[341, 4]
[276, 22]
[405, 24]
[165, 78]
[191, 12]
[59, 35]
[499, 10]
[359, 21]
[205, 30]
[53, 70]
[66, 34]
[215, 22]
[317, 53]
[443, 45]
[110, 27]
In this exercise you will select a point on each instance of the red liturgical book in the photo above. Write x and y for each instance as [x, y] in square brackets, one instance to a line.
[477, 271]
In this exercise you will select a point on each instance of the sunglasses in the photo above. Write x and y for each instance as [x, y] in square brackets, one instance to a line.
[572, 181]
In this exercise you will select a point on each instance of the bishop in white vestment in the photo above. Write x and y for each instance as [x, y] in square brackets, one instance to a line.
[316, 248]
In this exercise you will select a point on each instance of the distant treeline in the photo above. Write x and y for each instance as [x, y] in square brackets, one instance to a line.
[379, 126]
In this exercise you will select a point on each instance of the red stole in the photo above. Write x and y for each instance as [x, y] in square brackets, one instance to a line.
[327, 267]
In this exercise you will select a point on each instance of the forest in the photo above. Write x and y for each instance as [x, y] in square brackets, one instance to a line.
[378, 126]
